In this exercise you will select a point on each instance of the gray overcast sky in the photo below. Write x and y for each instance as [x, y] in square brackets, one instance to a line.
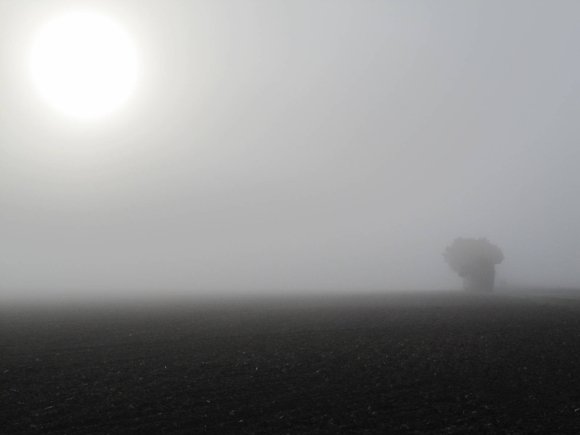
[295, 145]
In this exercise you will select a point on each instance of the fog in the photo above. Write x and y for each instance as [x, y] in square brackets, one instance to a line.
[283, 147]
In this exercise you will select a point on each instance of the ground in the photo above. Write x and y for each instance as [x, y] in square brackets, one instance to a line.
[442, 363]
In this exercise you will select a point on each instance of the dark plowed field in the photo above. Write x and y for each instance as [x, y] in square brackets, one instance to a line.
[442, 363]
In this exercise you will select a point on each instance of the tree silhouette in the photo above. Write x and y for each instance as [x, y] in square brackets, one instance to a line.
[474, 260]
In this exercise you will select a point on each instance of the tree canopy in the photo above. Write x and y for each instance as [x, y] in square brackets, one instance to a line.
[463, 253]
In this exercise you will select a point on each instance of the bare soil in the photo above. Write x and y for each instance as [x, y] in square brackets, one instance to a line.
[425, 363]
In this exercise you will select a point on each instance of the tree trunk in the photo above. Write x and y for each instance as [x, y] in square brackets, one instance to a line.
[481, 280]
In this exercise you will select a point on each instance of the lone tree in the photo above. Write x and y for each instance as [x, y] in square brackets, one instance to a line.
[474, 260]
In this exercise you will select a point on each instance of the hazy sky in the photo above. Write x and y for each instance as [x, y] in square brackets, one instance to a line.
[296, 145]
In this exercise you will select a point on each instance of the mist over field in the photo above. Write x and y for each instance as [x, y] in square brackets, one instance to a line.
[288, 147]
[299, 217]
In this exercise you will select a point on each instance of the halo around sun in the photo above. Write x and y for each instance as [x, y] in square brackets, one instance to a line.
[84, 64]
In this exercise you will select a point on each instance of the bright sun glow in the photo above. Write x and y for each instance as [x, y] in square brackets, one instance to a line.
[84, 64]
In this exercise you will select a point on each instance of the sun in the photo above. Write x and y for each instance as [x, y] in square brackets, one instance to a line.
[84, 64]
